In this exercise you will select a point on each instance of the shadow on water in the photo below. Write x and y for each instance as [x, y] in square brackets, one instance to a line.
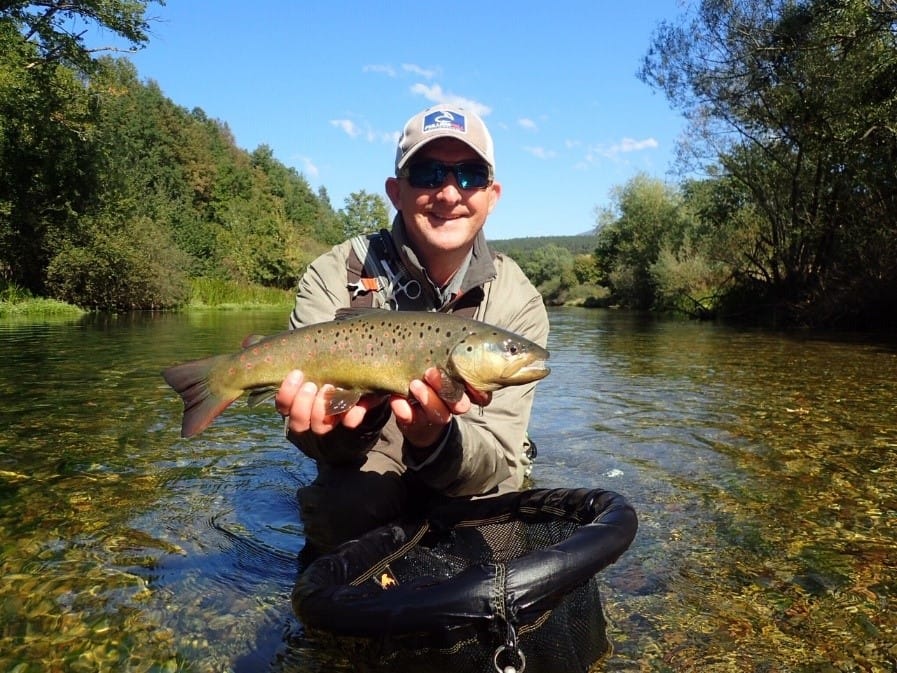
[762, 466]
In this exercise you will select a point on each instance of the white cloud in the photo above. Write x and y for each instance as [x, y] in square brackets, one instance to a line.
[353, 130]
[528, 124]
[417, 70]
[347, 126]
[613, 151]
[435, 94]
[627, 145]
[387, 70]
[308, 167]
[540, 152]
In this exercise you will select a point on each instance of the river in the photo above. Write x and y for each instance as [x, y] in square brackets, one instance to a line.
[763, 467]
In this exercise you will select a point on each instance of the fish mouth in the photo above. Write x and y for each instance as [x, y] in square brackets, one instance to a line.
[531, 371]
[478, 397]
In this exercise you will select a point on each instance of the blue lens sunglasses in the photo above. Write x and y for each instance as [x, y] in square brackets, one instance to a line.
[432, 174]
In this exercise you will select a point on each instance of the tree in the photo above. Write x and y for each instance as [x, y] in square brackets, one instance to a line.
[57, 28]
[646, 217]
[47, 172]
[48, 169]
[797, 102]
[364, 214]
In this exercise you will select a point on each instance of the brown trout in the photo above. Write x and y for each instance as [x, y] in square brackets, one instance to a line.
[362, 351]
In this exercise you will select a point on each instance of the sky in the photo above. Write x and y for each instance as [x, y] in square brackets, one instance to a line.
[329, 85]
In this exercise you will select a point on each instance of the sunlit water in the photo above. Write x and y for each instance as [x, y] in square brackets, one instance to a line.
[762, 467]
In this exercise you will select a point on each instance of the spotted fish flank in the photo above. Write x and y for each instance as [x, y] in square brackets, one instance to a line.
[362, 351]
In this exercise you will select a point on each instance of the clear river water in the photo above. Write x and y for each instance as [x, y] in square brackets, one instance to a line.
[763, 467]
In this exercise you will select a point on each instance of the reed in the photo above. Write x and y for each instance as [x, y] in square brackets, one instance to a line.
[19, 302]
[218, 293]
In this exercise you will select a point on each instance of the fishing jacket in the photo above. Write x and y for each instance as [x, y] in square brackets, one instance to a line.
[483, 449]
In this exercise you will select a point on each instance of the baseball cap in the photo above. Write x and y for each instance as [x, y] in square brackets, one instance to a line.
[445, 121]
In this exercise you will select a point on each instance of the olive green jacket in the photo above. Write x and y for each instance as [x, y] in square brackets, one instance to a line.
[483, 448]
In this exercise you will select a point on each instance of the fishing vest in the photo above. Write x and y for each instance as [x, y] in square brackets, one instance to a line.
[382, 272]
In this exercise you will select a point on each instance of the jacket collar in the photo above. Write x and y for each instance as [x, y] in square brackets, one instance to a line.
[480, 267]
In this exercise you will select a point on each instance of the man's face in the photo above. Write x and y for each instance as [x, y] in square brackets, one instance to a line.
[446, 218]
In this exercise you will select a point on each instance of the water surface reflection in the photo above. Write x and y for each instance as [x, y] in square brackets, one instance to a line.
[762, 466]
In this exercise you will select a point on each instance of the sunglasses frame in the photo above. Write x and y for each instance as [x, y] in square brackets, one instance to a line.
[445, 169]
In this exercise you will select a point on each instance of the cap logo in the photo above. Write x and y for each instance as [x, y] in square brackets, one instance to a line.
[441, 120]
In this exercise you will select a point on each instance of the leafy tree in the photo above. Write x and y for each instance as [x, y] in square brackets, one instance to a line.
[47, 172]
[57, 28]
[364, 213]
[585, 270]
[329, 226]
[797, 102]
[646, 216]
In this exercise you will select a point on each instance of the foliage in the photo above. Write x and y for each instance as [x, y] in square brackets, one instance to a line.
[111, 195]
[121, 266]
[56, 28]
[364, 213]
[561, 267]
[647, 216]
[18, 302]
[218, 293]
[796, 102]
[514, 247]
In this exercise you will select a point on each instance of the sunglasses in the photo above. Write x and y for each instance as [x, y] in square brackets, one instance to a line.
[433, 174]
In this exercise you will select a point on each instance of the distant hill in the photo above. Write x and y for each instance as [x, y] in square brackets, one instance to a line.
[578, 245]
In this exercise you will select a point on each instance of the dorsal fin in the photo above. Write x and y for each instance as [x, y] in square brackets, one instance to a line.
[252, 340]
[355, 312]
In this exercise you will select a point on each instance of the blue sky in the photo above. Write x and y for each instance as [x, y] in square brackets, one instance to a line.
[329, 85]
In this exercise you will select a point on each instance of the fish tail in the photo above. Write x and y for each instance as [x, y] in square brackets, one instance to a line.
[201, 403]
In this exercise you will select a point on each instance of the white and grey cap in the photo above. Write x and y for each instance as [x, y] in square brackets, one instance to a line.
[444, 121]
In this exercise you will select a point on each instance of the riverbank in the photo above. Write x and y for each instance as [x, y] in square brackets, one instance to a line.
[206, 293]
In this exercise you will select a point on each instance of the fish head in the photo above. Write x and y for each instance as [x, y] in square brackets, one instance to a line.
[493, 358]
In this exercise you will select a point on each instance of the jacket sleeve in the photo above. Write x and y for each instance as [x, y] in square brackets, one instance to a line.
[322, 291]
[484, 447]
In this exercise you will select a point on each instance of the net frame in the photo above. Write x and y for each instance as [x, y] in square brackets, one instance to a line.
[475, 579]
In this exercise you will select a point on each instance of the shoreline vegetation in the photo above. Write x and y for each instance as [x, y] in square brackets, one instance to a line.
[114, 197]
[215, 294]
[206, 294]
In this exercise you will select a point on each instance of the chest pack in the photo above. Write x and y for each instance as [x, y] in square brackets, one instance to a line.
[375, 270]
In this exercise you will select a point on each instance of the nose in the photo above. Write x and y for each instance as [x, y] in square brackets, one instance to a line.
[450, 192]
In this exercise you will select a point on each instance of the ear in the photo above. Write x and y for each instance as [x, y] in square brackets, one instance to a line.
[392, 191]
[494, 194]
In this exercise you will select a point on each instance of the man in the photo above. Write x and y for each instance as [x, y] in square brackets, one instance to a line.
[385, 457]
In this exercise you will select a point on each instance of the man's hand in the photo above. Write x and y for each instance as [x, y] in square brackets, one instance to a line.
[304, 405]
[423, 417]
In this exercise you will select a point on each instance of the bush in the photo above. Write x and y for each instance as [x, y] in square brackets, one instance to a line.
[133, 267]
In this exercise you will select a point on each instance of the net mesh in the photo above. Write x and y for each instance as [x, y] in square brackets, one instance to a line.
[480, 600]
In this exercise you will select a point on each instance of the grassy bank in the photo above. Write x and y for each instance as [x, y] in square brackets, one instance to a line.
[18, 303]
[206, 293]
[222, 294]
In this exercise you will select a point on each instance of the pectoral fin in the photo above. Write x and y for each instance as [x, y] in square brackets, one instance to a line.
[338, 400]
[450, 390]
[259, 395]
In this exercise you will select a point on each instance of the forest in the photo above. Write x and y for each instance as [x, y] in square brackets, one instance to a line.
[113, 197]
